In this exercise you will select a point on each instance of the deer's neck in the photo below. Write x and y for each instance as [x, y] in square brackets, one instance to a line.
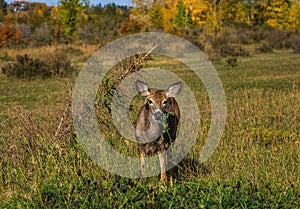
[152, 130]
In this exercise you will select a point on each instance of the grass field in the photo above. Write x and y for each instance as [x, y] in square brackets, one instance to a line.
[256, 164]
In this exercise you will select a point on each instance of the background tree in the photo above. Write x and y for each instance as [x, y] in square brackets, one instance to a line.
[294, 17]
[182, 17]
[278, 12]
[9, 33]
[38, 14]
[156, 16]
[233, 11]
[169, 12]
[214, 17]
[199, 11]
[141, 9]
[259, 13]
[3, 9]
[69, 14]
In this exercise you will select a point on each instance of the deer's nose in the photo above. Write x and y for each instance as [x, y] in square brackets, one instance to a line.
[158, 116]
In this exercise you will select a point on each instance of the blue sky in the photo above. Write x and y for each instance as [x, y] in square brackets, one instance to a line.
[103, 2]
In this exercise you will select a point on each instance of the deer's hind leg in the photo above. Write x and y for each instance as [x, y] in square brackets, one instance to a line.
[172, 170]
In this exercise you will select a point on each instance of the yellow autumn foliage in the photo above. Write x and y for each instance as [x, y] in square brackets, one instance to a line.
[278, 13]
[294, 17]
[281, 14]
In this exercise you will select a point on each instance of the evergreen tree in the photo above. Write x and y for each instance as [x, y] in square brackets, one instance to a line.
[156, 16]
[182, 18]
[3, 9]
[69, 13]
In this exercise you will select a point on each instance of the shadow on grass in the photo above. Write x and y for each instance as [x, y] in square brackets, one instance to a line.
[187, 168]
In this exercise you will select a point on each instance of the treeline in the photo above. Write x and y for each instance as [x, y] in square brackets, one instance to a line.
[215, 14]
[225, 28]
[220, 28]
[25, 24]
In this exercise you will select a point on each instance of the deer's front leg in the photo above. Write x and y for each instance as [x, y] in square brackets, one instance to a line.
[142, 159]
[162, 161]
[142, 164]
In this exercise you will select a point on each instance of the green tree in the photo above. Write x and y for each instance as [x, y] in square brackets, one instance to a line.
[182, 17]
[3, 9]
[156, 16]
[69, 14]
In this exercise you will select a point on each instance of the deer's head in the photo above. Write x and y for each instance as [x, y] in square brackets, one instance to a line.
[158, 102]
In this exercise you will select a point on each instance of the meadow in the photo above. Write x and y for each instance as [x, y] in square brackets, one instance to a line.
[256, 164]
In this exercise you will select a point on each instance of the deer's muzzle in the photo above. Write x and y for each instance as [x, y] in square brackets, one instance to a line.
[158, 115]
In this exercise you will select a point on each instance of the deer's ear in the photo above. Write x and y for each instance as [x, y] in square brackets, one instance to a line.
[174, 89]
[142, 88]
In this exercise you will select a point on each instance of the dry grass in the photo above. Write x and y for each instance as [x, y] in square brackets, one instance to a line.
[80, 52]
[255, 165]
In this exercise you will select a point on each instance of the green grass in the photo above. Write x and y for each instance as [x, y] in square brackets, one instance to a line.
[256, 164]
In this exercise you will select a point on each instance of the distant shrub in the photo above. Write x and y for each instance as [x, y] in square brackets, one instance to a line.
[194, 36]
[72, 51]
[232, 61]
[239, 36]
[25, 31]
[264, 48]
[278, 39]
[41, 36]
[25, 67]
[132, 26]
[258, 34]
[225, 48]
[5, 57]
[295, 42]
[216, 48]
[235, 50]
[58, 62]
[9, 34]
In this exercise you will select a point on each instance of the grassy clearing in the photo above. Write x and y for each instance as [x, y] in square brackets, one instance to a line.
[255, 165]
[80, 52]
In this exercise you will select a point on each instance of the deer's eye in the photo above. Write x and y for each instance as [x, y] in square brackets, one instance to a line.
[165, 102]
[150, 101]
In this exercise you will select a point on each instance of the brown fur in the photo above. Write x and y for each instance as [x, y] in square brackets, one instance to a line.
[169, 107]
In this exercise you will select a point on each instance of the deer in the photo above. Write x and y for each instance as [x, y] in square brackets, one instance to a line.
[156, 124]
